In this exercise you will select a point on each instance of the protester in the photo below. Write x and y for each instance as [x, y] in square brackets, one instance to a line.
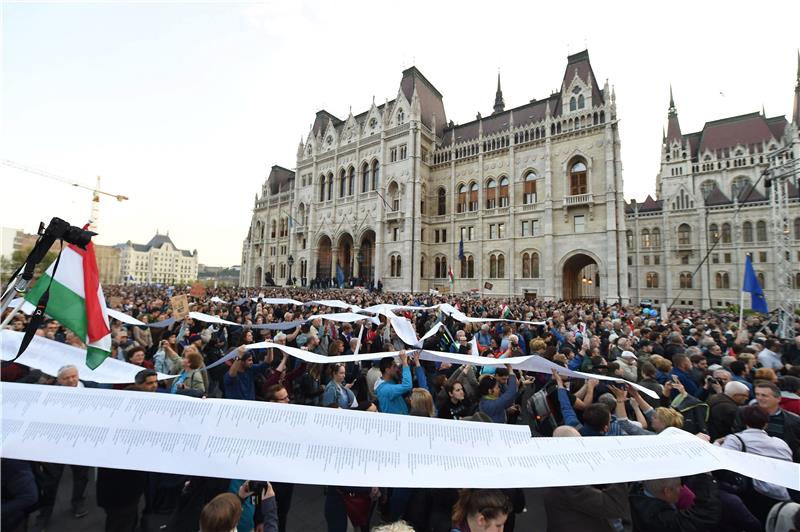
[712, 362]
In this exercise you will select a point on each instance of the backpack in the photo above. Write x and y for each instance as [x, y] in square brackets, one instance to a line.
[540, 408]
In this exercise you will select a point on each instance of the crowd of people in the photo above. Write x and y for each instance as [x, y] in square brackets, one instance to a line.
[737, 388]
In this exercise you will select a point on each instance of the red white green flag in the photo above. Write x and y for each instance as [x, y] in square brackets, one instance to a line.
[77, 300]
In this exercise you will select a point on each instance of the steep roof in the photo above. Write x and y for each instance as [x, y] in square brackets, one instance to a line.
[717, 197]
[752, 128]
[528, 113]
[430, 99]
[751, 195]
[321, 121]
[579, 63]
[159, 240]
[651, 205]
[278, 179]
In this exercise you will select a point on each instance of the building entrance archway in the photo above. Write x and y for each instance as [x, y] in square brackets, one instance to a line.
[344, 259]
[324, 257]
[366, 258]
[581, 278]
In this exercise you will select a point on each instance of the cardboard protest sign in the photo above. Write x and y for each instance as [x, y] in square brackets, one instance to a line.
[115, 302]
[180, 307]
[198, 290]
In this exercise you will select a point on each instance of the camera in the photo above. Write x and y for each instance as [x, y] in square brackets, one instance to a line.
[711, 380]
[59, 229]
[257, 486]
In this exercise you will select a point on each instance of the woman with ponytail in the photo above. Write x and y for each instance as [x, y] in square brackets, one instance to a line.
[480, 510]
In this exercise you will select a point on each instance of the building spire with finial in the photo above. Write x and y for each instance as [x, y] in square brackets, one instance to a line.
[796, 113]
[499, 104]
[673, 125]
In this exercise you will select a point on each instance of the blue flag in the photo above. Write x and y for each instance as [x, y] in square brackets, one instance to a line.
[461, 249]
[757, 300]
[339, 276]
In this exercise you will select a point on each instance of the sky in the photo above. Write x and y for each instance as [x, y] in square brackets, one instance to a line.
[184, 107]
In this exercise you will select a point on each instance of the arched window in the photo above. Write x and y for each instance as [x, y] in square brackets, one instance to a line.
[394, 196]
[526, 266]
[761, 231]
[797, 228]
[762, 280]
[656, 238]
[462, 198]
[330, 186]
[503, 192]
[581, 102]
[707, 186]
[740, 187]
[713, 233]
[491, 194]
[440, 267]
[468, 267]
[351, 182]
[573, 104]
[396, 266]
[441, 201]
[629, 239]
[493, 267]
[401, 117]
[577, 178]
[273, 228]
[747, 231]
[322, 188]
[651, 280]
[684, 235]
[722, 280]
[529, 189]
[342, 183]
[375, 175]
[726, 233]
[364, 177]
[473, 197]
[535, 265]
[686, 280]
[797, 281]
[501, 266]
[422, 266]
[645, 238]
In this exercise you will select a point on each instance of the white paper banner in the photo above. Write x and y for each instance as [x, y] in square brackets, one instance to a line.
[299, 444]
[49, 356]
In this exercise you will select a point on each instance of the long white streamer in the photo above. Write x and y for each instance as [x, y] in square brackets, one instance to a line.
[49, 356]
[299, 444]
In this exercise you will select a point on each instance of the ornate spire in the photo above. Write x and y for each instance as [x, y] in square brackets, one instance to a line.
[796, 113]
[673, 125]
[672, 110]
[499, 104]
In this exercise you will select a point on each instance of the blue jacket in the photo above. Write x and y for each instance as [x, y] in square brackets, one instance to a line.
[496, 408]
[687, 381]
[390, 396]
[337, 394]
[242, 386]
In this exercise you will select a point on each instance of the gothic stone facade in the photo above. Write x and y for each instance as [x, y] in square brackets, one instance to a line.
[711, 201]
[534, 193]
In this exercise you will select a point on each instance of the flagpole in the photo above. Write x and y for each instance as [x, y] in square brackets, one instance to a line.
[741, 308]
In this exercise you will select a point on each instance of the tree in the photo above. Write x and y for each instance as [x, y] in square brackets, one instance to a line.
[9, 266]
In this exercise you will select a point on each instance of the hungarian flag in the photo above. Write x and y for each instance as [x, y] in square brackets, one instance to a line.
[77, 300]
[450, 273]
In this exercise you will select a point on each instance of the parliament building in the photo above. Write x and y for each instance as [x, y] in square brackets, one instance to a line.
[526, 201]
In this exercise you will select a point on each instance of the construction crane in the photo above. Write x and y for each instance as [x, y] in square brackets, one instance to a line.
[96, 192]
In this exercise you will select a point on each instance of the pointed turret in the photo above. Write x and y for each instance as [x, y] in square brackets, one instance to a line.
[796, 113]
[499, 104]
[673, 126]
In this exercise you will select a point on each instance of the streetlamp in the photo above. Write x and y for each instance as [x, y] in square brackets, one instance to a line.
[290, 262]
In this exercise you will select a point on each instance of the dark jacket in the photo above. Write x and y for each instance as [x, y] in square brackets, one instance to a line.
[586, 508]
[20, 493]
[654, 515]
[119, 487]
[721, 415]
